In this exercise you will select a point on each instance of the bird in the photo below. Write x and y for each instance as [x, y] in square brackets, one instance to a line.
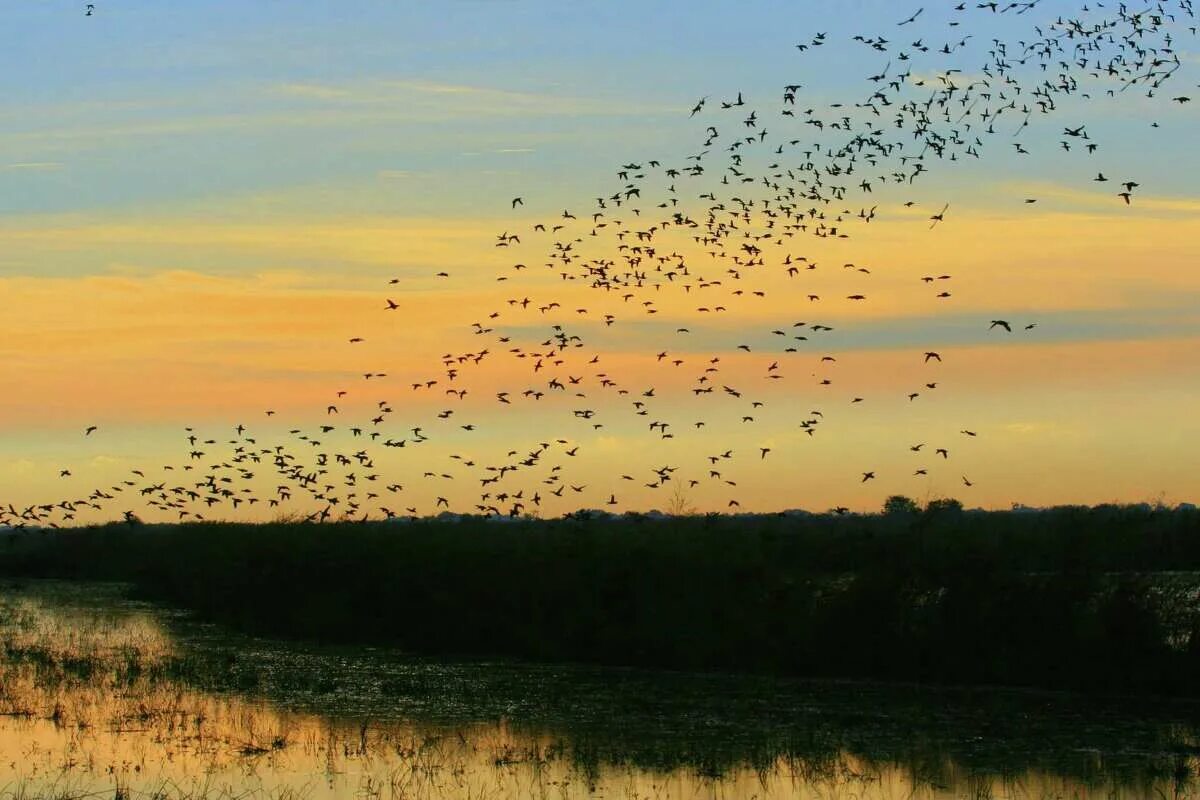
[89, 430]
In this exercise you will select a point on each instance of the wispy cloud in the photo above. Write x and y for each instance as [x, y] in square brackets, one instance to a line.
[418, 96]
[34, 166]
[385, 90]
[86, 245]
[307, 105]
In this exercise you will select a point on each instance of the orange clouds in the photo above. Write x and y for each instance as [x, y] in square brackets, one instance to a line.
[124, 344]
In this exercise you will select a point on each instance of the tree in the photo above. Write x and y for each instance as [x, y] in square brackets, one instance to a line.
[680, 504]
[899, 505]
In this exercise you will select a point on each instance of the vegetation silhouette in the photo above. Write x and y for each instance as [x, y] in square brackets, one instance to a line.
[899, 505]
[1094, 599]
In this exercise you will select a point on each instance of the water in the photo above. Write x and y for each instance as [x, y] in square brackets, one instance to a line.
[102, 696]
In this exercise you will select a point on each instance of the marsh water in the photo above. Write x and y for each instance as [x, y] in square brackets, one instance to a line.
[105, 696]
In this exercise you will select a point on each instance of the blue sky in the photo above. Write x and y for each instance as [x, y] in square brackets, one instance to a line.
[150, 104]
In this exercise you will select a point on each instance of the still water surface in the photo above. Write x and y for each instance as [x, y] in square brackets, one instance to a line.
[102, 696]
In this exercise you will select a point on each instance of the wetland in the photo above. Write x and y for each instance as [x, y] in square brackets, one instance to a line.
[104, 695]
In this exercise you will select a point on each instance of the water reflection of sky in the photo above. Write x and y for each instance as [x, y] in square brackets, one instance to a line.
[98, 693]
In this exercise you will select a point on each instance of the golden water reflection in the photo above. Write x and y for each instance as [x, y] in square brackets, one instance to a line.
[99, 699]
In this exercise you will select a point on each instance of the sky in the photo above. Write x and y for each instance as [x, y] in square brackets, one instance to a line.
[201, 203]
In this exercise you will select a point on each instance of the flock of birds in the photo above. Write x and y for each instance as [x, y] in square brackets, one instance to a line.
[763, 180]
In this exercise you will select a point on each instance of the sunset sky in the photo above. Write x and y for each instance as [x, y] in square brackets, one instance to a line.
[202, 202]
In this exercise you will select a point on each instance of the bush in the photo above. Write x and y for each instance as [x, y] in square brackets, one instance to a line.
[900, 506]
[943, 505]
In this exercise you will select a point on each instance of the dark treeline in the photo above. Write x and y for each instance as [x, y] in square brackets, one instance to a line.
[1101, 599]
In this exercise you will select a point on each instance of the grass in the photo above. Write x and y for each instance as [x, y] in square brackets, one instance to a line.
[1096, 599]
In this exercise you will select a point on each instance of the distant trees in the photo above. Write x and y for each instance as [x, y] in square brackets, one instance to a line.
[899, 505]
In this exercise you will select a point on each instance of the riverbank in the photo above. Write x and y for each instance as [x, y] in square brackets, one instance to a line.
[1101, 599]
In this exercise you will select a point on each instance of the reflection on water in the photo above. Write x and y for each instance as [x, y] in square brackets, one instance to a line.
[104, 697]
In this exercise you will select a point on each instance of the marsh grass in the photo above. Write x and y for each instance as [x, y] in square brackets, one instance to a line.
[1097, 599]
